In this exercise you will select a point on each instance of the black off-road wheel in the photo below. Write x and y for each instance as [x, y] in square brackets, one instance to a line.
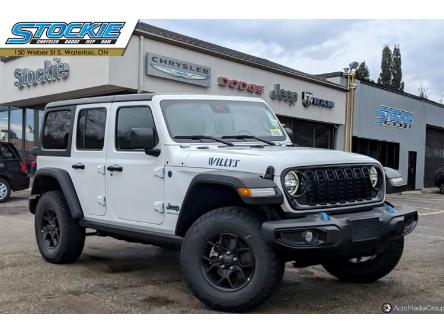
[5, 190]
[367, 269]
[60, 239]
[226, 263]
[441, 188]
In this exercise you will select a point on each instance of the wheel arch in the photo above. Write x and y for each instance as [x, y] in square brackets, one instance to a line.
[55, 179]
[208, 191]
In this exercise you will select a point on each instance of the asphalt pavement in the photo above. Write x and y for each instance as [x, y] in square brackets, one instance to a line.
[114, 276]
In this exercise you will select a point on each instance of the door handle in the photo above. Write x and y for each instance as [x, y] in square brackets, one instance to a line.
[78, 166]
[115, 167]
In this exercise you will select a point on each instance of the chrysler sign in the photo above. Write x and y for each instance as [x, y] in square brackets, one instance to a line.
[178, 70]
[53, 70]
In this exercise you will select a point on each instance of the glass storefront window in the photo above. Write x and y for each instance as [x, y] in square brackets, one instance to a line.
[3, 124]
[16, 128]
[33, 121]
[310, 134]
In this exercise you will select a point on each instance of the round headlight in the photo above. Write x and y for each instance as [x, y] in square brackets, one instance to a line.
[374, 177]
[291, 182]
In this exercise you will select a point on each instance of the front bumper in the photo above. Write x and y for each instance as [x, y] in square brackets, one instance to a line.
[337, 236]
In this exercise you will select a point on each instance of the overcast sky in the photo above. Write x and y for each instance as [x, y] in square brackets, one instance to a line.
[319, 46]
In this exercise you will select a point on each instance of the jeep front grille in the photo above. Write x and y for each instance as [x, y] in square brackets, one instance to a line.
[336, 186]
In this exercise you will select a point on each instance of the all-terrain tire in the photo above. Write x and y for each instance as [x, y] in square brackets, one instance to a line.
[71, 237]
[268, 267]
[5, 187]
[370, 270]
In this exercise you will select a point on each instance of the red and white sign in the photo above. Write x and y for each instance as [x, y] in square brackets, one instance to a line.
[240, 85]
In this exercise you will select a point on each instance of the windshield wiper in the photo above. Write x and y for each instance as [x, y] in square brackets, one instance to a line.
[241, 137]
[202, 137]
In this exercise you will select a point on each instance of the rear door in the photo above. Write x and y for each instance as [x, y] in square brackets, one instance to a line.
[88, 157]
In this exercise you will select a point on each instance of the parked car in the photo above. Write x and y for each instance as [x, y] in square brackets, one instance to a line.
[439, 179]
[13, 175]
[218, 176]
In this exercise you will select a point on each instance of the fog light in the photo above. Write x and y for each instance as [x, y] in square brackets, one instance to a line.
[308, 236]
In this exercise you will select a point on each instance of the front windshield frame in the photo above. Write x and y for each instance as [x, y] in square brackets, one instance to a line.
[280, 138]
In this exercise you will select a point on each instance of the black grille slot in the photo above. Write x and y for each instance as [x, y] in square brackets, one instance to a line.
[336, 185]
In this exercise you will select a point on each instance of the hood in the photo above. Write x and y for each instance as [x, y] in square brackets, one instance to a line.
[255, 159]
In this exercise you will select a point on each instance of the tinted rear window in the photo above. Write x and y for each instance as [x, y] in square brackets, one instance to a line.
[91, 129]
[7, 153]
[56, 130]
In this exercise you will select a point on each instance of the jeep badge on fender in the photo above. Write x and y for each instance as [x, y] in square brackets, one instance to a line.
[239, 199]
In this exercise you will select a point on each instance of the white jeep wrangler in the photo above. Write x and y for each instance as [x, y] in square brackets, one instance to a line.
[218, 177]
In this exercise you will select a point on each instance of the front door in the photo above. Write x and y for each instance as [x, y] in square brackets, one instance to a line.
[135, 184]
[88, 156]
[411, 179]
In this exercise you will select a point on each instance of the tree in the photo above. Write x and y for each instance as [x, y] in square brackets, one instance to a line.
[385, 78]
[423, 92]
[362, 72]
[397, 82]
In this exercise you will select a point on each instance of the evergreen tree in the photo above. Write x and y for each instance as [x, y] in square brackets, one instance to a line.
[385, 78]
[362, 72]
[397, 82]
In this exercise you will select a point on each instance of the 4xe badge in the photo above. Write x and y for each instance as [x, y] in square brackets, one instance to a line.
[55, 33]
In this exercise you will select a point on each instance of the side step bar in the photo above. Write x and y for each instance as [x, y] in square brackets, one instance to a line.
[132, 235]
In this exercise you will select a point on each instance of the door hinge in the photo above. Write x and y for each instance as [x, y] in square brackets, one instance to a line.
[101, 169]
[101, 199]
[159, 172]
[159, 207]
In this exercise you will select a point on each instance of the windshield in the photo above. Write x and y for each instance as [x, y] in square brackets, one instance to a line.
[220, 119]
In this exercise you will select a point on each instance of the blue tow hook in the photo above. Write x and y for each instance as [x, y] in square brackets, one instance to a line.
[389, 208]
[325, 217]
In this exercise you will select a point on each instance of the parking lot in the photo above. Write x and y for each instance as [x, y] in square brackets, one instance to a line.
[118, 277]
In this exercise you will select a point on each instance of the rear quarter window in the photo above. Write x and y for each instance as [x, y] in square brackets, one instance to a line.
[56, 130]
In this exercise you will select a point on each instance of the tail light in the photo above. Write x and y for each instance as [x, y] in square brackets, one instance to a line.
[23, 167]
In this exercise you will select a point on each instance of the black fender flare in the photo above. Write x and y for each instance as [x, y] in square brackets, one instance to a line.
[64, 181]
[237, 179]
[233, 180]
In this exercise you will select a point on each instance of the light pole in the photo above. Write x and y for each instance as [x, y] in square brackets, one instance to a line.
[350, 76]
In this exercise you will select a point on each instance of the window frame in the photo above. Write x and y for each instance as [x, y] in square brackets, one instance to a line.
[57, 152]
[116, 137]
[104, 130]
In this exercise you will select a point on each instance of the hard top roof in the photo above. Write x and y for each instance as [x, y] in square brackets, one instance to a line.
[102, 99]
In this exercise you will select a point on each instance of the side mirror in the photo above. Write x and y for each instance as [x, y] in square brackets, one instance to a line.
[289, 132]
[394, 181]
[144, 138]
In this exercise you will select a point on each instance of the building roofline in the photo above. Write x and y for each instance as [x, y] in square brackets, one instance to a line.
[380, 86]
[176, 39]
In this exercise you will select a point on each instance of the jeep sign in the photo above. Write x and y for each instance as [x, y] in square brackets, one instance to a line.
[51, 71]
[284, 95]
[178, 70]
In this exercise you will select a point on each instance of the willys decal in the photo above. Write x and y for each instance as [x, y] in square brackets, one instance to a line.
[223, 162]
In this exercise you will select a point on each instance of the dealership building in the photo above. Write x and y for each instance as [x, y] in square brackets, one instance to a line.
[401, 130]
[161, 61]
